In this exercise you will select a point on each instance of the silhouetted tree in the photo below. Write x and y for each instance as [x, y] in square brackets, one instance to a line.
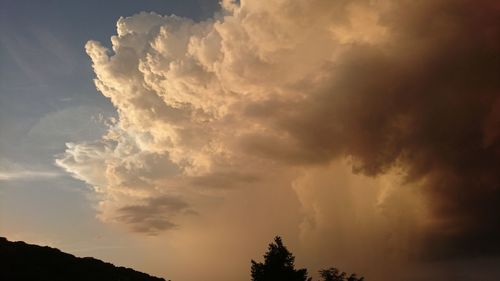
[278, 265]
[333, 274]
[354, 277]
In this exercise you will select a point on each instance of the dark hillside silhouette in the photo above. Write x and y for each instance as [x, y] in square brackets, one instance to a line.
[20, 261]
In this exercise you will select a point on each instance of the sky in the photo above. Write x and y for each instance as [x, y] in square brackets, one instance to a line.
[179, 137]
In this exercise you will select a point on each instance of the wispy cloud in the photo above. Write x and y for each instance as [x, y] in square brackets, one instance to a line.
[27, 175]
[11, 171]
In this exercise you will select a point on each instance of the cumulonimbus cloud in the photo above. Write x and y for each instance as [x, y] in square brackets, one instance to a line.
[267, 87]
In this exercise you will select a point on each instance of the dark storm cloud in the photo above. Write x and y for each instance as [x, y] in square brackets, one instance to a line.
[154, 215]
[428, 102]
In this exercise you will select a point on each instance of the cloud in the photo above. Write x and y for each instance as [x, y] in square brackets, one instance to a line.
[10, 171]
[406, 92]
[152, 217]
[27, 175]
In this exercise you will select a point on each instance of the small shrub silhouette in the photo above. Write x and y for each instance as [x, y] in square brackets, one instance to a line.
[333, 274]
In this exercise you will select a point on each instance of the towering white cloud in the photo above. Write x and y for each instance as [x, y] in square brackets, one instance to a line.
[402, 93]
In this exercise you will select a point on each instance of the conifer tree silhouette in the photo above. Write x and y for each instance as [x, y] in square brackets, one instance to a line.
[278, 265]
